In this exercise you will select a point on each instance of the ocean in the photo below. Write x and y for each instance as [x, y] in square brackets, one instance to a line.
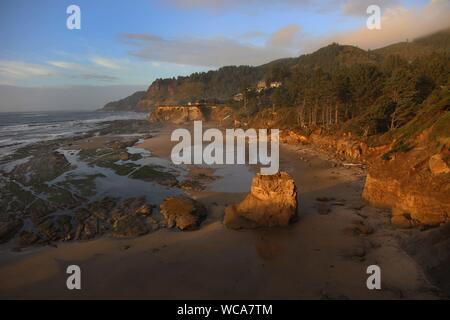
[18, 129]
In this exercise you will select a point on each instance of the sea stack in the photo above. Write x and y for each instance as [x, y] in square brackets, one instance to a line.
[272, 202]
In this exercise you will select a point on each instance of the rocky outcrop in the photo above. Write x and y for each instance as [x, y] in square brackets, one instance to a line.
[411, 205]
[176, 114]
[407, 184]
[222, 115]
[182, 213]
[51, 165]
[271, 202]
[128, 219]
[345, 147]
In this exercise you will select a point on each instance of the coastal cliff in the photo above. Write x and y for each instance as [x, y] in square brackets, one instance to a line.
[414, 184]
[176, 114]
[130, 103]
[180, 114]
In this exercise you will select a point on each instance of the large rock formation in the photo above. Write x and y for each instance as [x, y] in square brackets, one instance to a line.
[271, 202]
[412, 204]
[345, 146]
[183, 213]
[176, 114]
[413, 184]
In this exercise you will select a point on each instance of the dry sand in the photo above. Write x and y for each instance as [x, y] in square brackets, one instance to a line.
[319, 256]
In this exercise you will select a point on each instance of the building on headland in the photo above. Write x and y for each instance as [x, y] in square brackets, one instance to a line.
[276, 84]
[263, 85]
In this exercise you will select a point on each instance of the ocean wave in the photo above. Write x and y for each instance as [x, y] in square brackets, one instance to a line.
[17, 135]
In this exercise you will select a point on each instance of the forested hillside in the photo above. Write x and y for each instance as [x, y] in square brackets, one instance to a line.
[366, 92]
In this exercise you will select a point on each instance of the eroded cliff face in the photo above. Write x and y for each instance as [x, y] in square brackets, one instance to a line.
[169, 92]
[176, 114]
[409, 185]
[415, 184]
[181, 114]
[343, 147]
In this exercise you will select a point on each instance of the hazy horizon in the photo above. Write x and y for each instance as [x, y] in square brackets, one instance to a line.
[67, 98]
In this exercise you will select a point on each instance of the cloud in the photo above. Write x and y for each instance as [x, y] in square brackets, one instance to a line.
[217, 5]
[106, 63]
[251, 35]
[359, 7]
[350, 7]
[285, 37]
[398, 24]
[19, 72]
[86, 71]
[12, 70]
[143, 36]
[65, 65]
[208, 52]
[95, 76]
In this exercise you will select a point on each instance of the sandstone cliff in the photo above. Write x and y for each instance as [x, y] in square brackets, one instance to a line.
[272, 202]
[176, 114]
[411, 184]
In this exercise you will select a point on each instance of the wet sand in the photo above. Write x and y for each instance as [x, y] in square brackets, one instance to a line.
[321, 256]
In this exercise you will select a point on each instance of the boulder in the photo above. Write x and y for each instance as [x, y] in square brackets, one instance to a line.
[129, 219]
[130, 227]
[271, 202]
[182, 212]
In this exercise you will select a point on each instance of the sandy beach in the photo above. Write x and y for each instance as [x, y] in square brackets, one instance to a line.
[323, 255]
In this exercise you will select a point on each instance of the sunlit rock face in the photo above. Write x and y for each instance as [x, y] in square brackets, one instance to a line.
[271, 202]
[409, 186]
[176, 114]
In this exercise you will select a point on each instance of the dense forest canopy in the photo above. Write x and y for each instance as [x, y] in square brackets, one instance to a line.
[368, 92]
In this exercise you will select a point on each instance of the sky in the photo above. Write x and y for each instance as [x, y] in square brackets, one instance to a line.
[129, 44]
